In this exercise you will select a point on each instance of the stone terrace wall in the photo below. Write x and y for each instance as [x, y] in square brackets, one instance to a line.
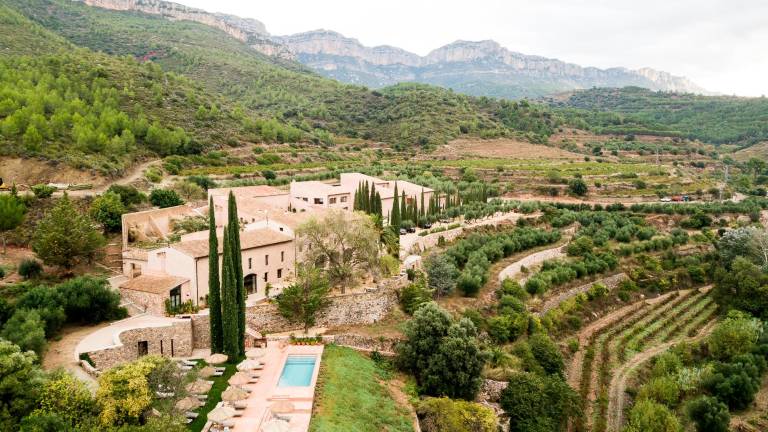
[154, 304]
[364, 343]
[178, 334]
[348, 309]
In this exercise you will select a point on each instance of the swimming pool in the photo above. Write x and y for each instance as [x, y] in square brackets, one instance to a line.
[297, 371]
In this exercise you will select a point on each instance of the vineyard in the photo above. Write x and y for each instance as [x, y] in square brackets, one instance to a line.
[614, 346]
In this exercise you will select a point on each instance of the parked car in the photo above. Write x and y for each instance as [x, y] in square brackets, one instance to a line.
[411, 229]
[403, 231]
[427, 225]
[666, 199]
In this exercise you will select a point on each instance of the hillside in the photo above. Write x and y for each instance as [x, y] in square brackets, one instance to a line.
[256, 85]
[712, 119]
[94, 111]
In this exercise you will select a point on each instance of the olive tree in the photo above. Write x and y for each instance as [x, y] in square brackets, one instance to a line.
[344, 244]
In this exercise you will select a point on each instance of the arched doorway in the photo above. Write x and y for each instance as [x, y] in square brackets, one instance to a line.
[250, 283]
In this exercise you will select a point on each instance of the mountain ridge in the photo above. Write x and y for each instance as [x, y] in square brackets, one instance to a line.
[479, 68]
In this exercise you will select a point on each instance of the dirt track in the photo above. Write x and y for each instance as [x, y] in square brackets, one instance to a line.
[618, 385]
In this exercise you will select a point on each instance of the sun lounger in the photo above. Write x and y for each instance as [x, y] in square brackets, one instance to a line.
[185, 368]
[189, 362]
[191, 415]
[189, 420]
[219, 369]
[240, 405]
[217, 374]
[165, 395]
[202, 397]
[238, 414]
[282, 417]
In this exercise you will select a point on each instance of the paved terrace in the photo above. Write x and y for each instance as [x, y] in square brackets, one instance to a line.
[109, 336]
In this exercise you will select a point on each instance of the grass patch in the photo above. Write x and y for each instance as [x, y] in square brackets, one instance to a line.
[214, 396]
[352, 396]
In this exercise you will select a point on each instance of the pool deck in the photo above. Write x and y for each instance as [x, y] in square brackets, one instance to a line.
[266, 392]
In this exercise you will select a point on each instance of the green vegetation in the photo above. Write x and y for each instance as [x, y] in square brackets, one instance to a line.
[214, 284]
[634, 110]
[301, 301]
[352, 395]
[448, 415]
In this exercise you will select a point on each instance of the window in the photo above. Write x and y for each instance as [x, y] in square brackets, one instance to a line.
[318, 201]
[266, 259]
[250, 263]
[332, 200]
[279, 273]
[175, 297]
[282, 256]
[266, 276]
[343, 199]
[161, 347]
[305, 199]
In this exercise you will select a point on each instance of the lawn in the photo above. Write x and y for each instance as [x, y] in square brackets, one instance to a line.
[352, 396]
[214, 397]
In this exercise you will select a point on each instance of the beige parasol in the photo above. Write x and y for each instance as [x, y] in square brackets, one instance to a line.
[220, 414]
[206, 372]
[199, 387]
[282, 407]
[255, 353]
[275, 425]
[248, 365]
[188, 403]
[232, 394]
[216, 359]
[240, 378]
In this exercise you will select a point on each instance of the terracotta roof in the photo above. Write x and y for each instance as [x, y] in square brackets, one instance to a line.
[155, 284]
[248, 240]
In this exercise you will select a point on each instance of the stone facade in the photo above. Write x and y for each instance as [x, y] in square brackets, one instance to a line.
[153, 304]
[174, 340]
[201, 331]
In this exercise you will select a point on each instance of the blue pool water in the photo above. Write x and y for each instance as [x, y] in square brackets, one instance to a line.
[297, 371]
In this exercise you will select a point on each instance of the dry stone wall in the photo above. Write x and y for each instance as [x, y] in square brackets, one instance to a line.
[167, 341]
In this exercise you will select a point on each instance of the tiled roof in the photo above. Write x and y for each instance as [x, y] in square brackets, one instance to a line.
[248, 240]
[155, 284]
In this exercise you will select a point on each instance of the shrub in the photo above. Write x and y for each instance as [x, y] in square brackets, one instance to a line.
[165, 198]
[736, 383]
[538, 403]
[25, 329]
[43, 190]
[709, 414]
[649, 416]
[90, 300]
[447, 415]
[30, 268]
[547, 354]
[663, 390]
[578, 187]
[108, 209]
[414, 295]
[513, 288]
[129, 195]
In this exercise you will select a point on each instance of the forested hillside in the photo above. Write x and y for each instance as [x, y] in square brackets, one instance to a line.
[713, 119]
[258, 89]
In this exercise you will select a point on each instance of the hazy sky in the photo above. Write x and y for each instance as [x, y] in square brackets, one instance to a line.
[721, 45]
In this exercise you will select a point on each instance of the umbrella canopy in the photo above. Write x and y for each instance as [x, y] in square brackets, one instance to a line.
[199, 387]
[216, 359]
[220, 414]
[206, 372]
[255, 353]
[234, 394]
[188, 403]
[282, 407]
[248, 365]
[275, 425]
[240, 378]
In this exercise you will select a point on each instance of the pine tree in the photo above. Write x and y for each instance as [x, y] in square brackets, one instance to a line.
[214, 284]
[394, 215]
[237, 261]
[230, 328]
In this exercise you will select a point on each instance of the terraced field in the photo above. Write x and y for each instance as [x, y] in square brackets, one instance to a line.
[615, 345]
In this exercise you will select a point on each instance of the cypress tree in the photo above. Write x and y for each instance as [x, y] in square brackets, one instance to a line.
[423, 208]
[372, 200]
[394, 215]
[229, 306]
[214, 290]
[237, 262]
[377, 203]
[403, 207]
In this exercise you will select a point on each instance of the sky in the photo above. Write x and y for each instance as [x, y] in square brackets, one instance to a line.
[722, 45]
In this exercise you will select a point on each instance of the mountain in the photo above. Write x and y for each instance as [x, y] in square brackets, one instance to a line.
[482, 68]
[182, 87]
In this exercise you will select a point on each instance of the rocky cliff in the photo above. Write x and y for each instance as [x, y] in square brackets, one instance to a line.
[240, 28]
[482, 68]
